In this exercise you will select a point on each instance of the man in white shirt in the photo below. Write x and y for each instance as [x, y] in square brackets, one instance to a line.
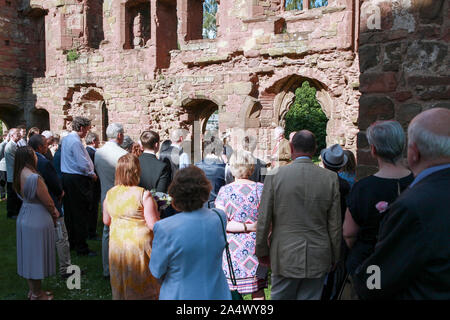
[3, 164]
[77, 174]
[13, 203]
[105, 164]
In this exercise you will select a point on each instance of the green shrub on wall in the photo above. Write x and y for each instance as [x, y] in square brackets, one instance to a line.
[306, 113]
[72, 55]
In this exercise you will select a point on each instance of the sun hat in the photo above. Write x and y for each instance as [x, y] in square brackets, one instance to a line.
[334, 156]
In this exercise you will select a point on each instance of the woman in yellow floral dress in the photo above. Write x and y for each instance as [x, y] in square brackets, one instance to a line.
[131, 212]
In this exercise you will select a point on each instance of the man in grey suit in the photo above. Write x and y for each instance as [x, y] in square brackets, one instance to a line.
[105, 165]
[301, 205]
[13, 203]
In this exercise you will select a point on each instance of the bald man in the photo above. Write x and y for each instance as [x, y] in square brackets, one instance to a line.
[412, 257]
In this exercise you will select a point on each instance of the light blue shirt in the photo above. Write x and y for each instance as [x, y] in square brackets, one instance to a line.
[303, 157]
[425, 173]
[74, 156]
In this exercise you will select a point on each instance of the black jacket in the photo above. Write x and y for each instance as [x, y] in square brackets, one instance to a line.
[413, 248]
[96, 185]
[51, 179]
[259, 172]
[171, 156]
[155, 174]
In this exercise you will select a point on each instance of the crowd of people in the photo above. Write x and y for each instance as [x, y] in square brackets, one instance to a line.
[315, 230]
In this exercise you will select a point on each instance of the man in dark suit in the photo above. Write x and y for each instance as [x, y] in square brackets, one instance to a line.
[412, 257]
[92, 143]
[259, 173]
[213, 167]
[48, 173]
[155, 174]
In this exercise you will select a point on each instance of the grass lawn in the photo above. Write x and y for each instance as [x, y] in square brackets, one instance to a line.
[93, 285]
[14, 287]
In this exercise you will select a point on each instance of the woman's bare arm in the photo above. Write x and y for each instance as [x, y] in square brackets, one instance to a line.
[106, 216]
[238, 227]
[350, 229]
[45, 199]
[151, 213]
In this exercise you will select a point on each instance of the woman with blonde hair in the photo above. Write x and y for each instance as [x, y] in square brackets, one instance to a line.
[240, 201]
[131, 213]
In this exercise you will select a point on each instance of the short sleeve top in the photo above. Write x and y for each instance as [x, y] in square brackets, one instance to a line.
[364, 197]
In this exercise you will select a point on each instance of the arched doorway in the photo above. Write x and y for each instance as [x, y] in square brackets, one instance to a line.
[87, 101]
[11, 115]
[40, 118]
[203, 119]
[302, 103]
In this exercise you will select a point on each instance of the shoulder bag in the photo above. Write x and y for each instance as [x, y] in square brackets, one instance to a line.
[235, 295]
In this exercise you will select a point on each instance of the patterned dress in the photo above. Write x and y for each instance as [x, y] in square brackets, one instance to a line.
[129, 246]
[240, 202]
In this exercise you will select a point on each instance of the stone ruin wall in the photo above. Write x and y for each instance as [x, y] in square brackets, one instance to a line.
[249, 72]
[405, 65]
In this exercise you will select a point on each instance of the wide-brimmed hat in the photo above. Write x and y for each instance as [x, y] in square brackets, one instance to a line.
[334, 157]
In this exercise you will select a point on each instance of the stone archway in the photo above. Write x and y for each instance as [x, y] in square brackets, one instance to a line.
[40, 118]
[87, 101]
[198, 111]
[11, 115]
[284, 90]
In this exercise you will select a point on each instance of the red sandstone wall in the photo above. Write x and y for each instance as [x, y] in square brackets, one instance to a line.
[404, 62]
[22, 57]
[248, 73]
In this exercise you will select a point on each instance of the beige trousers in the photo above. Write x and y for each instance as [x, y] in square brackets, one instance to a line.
[63, 248]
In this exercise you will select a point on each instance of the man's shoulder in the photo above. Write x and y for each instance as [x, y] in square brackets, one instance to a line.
[42, 159]
[10, 145]
[431, 194]
[110, 150]
[150, 158]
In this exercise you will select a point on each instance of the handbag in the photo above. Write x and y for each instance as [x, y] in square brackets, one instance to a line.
[235, 295]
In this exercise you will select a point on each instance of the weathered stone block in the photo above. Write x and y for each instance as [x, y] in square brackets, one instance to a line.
[365, 157]
[425, 56]
[369, 57]
[392, 57]
[403, 95]
[375, 108]
[406, 112]
[378, 82]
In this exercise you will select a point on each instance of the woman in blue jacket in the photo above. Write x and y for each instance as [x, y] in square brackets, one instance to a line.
[187, 247]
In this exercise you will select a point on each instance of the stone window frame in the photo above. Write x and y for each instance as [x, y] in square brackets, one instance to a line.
[126, 43]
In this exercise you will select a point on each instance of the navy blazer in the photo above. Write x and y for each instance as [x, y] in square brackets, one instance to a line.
[51, 179]
[413, 248]
[215, 173]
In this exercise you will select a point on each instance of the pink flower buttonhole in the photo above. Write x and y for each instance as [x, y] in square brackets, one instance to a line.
[382, 206]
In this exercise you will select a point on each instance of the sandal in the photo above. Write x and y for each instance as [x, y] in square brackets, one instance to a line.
[44, 295]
